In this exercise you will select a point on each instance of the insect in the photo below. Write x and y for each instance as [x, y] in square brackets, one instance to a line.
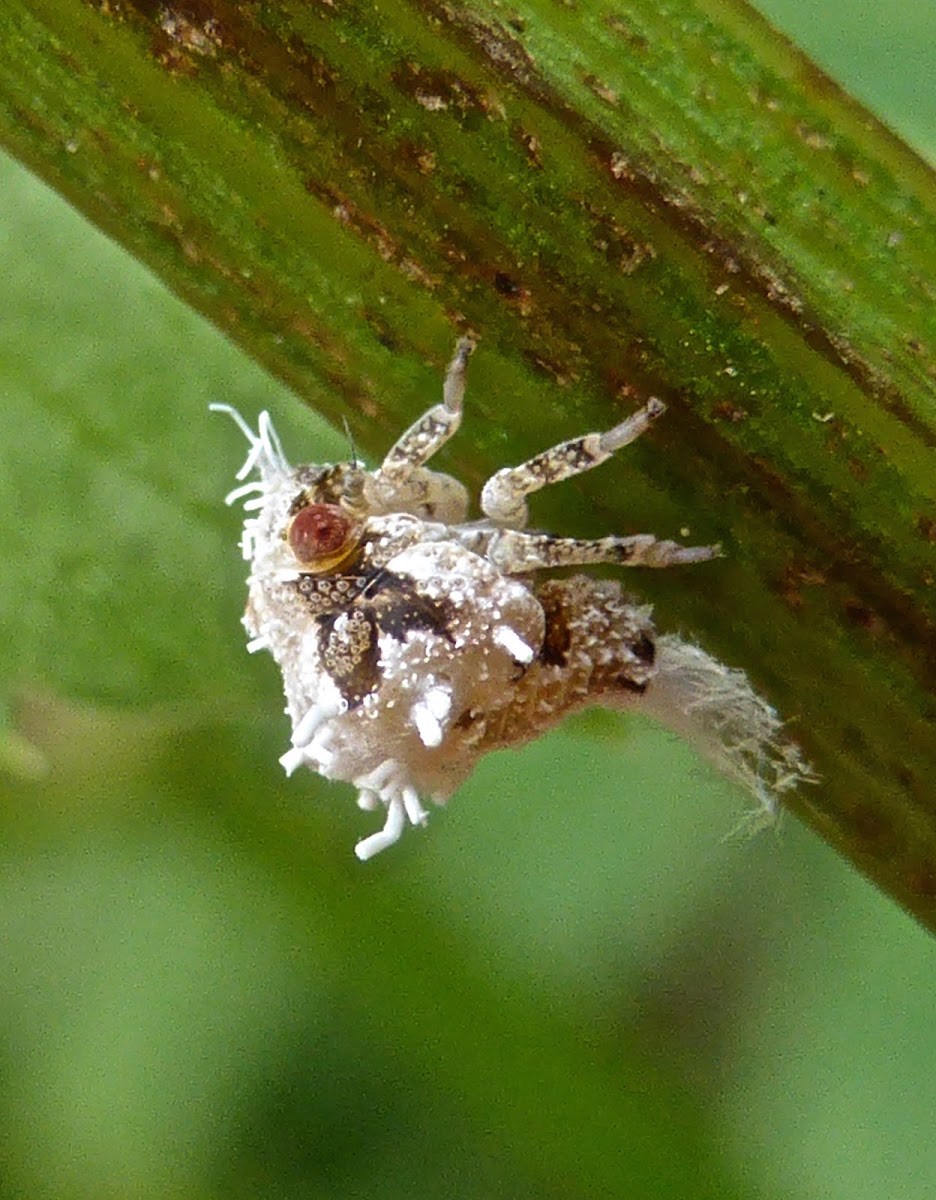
[412, 641]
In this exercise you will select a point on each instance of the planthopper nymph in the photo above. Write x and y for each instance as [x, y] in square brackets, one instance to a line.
[413, 640]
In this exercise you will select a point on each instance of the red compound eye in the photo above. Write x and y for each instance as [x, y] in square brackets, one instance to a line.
[319, 531]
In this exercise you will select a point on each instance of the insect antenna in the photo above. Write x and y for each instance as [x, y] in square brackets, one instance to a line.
[354, 460]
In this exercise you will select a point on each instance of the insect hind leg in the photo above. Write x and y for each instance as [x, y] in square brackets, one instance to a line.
[515, 552]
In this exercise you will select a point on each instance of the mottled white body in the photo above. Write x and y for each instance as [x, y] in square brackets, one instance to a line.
[412, 641]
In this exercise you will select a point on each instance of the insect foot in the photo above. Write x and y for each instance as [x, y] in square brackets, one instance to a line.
[412, 641]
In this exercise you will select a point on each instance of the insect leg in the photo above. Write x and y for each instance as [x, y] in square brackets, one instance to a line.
[515, 552]
[503, 498]
[435, 427]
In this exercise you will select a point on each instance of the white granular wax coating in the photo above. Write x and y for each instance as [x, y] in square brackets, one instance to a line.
[413, 641]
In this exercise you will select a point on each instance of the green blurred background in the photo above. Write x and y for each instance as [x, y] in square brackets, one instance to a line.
[572, 984]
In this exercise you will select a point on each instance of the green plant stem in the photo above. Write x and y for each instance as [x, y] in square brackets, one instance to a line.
[618, 200]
